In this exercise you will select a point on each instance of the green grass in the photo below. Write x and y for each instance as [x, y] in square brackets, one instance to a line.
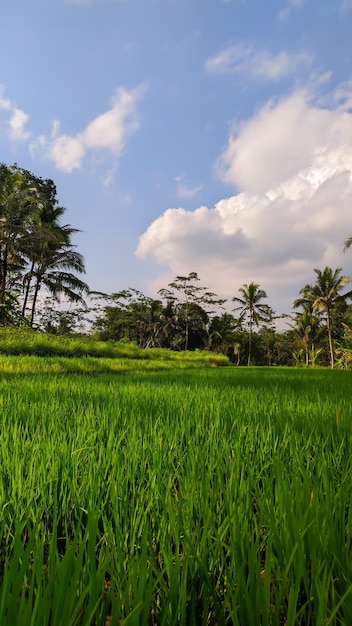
[143, 492]
[25, 341]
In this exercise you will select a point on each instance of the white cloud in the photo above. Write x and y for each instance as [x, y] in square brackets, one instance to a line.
[243, 59]
[17, 125]
[281, 140]
[107, 132]
[110, 129]
[5, 103]
[67, 152]
[292, 164]
[17, 118]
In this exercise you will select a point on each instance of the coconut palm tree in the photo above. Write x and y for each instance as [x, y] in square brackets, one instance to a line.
[17, 212]
[250, 306]
[348, 243]
[323, 297]
[53, 271]
[307, 326]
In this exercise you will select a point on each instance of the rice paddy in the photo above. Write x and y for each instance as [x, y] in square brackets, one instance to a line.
[159, 493]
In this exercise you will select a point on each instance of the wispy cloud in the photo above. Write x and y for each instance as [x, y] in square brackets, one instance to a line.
[346, 5]
[107, 132]
[185, 190]
[242, 58]
[286, 12]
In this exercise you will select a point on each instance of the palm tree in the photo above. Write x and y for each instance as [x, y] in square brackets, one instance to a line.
[348, 243]
[50, 255]
[307, 329]
[17, 212]
[52, 271]
[250, 306]
[46, 236]
[323, 296]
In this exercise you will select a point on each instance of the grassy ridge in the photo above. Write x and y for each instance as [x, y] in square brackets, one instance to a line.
[24, 341]
[178, 496]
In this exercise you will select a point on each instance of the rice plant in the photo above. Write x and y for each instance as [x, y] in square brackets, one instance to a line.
[143, 493]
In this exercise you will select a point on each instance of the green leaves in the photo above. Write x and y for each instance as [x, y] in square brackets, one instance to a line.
[35, 248]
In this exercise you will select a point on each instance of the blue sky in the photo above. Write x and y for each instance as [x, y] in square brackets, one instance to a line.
[212, 136]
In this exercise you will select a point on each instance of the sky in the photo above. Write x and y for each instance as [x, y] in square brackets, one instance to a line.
[208, 136]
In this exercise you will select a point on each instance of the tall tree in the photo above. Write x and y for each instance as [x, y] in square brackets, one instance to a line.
[190, 299]
[53, 271]
[250, 306]
[306, 328]
[323, 297]
[17, 212]
[52, 260]
[348, 243]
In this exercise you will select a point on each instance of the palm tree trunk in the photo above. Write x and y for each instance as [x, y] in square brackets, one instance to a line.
[331, 343]
[26, 295]
[250, 342]
[35, 296]
[4, 269]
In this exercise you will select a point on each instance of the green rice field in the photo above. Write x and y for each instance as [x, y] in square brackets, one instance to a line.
[172, 492]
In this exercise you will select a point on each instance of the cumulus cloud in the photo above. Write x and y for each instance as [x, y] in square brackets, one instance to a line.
[292, 166]
[107, 132]
[241, 58]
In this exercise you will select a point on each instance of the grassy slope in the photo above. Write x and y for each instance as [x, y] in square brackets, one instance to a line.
[17, 341]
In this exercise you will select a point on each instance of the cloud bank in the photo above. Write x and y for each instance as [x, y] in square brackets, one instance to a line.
[292, 167]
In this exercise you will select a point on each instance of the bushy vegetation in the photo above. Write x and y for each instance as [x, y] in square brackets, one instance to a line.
[180, 496]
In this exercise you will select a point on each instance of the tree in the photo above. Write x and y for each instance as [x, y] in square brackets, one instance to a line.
[129, 314]
[52, 272]
[35, 249]
[250, 306]
[323, 297]
[221, 332]
[190, 300]
[17, 212]
[348, 243]
[307, 326]
[52, 260]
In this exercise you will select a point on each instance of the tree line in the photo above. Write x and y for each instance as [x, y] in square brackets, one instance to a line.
[37, 254]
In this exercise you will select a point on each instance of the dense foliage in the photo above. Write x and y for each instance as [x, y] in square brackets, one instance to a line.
[35, 248]
[318, 335]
